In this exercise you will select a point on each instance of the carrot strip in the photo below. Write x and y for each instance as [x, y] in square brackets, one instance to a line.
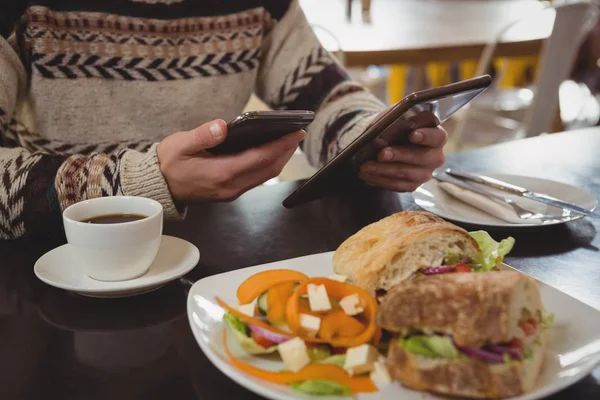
[336, 290]
[328, 372]
[258, 283]
[276, 301]
[339, 324]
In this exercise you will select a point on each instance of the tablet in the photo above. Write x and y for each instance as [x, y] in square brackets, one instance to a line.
[426, 108]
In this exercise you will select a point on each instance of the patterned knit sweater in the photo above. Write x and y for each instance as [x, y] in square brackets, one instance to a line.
[88, 88]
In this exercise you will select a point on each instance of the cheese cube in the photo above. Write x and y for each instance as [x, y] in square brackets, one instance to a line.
[317, 298]
[352, 304]
[380, 374]
[248, 309]
[310, 324]
[294, 355]
[360, 359]
[339, 278]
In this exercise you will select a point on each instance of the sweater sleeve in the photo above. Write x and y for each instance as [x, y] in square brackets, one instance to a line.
[296, 72]
[36, 186]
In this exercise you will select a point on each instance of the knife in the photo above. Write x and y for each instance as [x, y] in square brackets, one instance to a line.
[520, 191]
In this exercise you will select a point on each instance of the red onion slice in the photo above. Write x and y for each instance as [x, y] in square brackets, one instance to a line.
[271, 336]
[438, 270]
[514, 353]
[480, 354]
[442, 269]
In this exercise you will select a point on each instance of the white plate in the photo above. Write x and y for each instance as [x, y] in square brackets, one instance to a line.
[59, 268]
[432, 198]
[573, 352]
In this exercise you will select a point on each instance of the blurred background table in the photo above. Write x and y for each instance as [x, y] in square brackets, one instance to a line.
[420, 31]
[56, 345]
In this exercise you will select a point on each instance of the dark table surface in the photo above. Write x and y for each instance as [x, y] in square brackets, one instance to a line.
[57, 345]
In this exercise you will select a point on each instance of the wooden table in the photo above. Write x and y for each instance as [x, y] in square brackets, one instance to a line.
[57, 345]
[420, 31]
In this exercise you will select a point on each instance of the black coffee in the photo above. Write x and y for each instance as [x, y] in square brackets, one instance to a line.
[114, 218]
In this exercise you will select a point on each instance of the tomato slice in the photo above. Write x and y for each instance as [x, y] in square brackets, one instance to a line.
[516, 343]
[529, 326]
[462, 268]
[261, 341]
[338, 350]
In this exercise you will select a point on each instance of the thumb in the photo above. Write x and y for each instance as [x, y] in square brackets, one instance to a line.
[203, 137]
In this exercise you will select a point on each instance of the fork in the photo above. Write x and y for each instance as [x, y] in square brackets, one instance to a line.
[521, 212]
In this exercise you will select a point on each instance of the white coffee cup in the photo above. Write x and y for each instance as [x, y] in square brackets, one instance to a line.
[119, 251]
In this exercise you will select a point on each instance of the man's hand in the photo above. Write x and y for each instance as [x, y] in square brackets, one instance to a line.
[405, 168]
[194, 175]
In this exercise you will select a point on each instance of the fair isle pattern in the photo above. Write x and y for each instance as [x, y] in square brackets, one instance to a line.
[94, 45]
[124, 44]
[78, 21]
[80, 178]
[12, 200]
[297, 81]
[19, 135]
[76, 66]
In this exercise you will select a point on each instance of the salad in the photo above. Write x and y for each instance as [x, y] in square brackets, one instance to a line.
[322, 328]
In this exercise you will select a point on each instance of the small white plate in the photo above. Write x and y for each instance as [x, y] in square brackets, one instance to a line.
[573, 352]
[60, 268]
[432, 198]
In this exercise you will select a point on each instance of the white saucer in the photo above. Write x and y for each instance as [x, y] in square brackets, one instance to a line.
[434, 199]
[59, 268]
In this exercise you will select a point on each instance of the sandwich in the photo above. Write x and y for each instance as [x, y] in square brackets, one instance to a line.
[410, 244]
[475, 335]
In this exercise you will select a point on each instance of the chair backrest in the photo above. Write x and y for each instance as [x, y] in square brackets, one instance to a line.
[572, 23]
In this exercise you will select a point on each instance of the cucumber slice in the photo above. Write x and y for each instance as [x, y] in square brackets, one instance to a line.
[262, 303]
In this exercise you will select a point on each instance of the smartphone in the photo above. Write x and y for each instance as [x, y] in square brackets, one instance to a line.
[426, 108]
[255, 128]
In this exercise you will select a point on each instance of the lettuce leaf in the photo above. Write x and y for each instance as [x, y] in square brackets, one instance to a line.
[431, 346]
[452, 258]
[338, 359]
[318, 353]
[492, 252]
[240, 332]
[321, 387]
[547, 321]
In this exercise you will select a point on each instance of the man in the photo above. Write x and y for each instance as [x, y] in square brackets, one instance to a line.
[112, 97]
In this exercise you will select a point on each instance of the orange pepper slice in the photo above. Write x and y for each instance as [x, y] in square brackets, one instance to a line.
[329, 372]
[339, 324]
[276, 300]
[336, 290]
[258, 283]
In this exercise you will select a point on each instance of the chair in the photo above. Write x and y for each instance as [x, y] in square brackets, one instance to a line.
[573, 20]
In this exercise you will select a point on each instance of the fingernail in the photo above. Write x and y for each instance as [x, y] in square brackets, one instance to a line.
[215, 130]
[417, 137]
[370, 167]
[387, 155]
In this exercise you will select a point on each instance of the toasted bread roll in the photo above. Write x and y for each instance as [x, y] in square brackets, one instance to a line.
[475, 308]
[466, 377]
[392, 249]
